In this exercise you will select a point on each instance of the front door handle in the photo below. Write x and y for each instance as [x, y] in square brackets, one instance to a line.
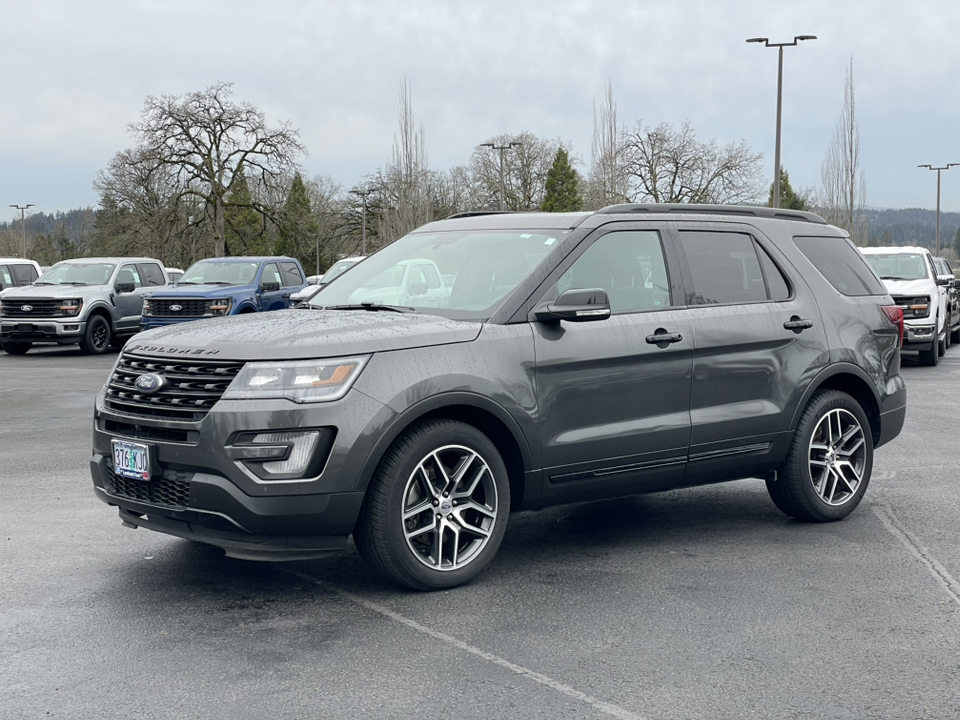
[797, 324]
[663, 338]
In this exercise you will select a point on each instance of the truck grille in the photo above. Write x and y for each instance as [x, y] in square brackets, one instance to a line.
[38, 308]
[170, 489]
[191, 387]
[187, 308]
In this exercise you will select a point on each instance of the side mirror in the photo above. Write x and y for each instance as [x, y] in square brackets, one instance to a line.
[576, 306]
[417, 288]
[124, 287]
[944, 280]
[269, 286]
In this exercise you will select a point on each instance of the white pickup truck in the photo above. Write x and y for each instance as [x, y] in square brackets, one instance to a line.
[912, 279]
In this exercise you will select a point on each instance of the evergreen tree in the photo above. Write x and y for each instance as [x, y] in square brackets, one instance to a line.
[243, 224]
[298, 227]
[789, 200]
[563, 186]
[956, 242]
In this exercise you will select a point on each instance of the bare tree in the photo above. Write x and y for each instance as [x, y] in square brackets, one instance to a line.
[404, 187]
[667, 165]
[202, 138]
[525, 168]
[844, 185]
[608, 183]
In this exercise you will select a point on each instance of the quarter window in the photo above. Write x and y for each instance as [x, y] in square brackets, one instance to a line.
[629, 265]
[841, 264]
[728, 268]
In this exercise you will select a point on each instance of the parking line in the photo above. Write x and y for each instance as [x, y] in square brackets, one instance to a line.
[602, 706]
[943, 576]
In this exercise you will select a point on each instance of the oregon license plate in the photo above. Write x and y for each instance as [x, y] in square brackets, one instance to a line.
[131, 460]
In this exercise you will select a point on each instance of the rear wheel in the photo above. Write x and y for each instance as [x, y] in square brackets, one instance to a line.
[829, 463]
[97, 338]
[437, 508]
[16, 348]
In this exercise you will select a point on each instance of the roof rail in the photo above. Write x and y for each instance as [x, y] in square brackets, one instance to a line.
[743, 210]
[475, 213]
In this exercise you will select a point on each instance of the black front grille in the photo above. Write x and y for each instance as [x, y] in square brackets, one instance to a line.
[191, 386]
[171, 489]
[151, 432]
[187, 308]
[38, 308]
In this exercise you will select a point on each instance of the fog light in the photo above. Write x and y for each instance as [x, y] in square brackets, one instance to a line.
[304, 443]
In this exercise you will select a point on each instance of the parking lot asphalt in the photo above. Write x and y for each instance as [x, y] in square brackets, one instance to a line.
[699, 603]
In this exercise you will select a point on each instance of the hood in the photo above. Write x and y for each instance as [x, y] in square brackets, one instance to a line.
[204, 291]
[303, 334]
[55, 292]
[923, 286]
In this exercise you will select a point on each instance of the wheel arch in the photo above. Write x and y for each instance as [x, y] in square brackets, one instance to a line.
[852, 380]
[485, 415]
[104, 311]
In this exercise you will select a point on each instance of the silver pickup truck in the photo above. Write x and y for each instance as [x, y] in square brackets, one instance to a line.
[95, 302]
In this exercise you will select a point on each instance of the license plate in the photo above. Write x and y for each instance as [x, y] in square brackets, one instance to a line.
[131, 460]
[25, 328]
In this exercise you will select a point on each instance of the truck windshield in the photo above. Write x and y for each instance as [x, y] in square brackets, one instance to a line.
[896, 266]
[461, 275]
[219, 273]
[68, 273]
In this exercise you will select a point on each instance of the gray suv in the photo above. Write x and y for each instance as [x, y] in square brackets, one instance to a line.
[93, 302]
[574, 356]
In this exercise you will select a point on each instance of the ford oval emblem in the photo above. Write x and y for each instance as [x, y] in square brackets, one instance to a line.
[176, 308]
[149, 383]
[26, 308]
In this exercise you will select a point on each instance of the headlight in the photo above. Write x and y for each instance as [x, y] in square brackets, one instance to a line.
[69, 308]
[220, 307]
[301, 381]
[147, 309]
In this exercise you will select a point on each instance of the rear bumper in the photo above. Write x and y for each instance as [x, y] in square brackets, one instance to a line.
[892, 416]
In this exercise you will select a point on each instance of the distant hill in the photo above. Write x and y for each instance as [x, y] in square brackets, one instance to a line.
[912, 226]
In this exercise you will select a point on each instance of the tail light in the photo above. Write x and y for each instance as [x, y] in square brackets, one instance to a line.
[894, 314]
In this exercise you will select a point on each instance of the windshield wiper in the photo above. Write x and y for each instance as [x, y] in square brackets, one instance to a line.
[186, 282]
[37, 282]
[369, 306]
[72, 282]
[892, 277]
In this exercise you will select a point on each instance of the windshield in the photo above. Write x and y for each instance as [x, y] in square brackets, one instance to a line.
[460, 275]
[211, 272]
[338, 269]
[897, 266]
[67, 273]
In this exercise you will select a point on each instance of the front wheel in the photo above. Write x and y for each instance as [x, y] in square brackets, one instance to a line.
[829, 462]
[96, 339]
[437, 508]
[16, 348]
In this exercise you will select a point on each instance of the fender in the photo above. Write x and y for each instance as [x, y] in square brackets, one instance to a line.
[404, 419]
[99, 305]
[840, 368]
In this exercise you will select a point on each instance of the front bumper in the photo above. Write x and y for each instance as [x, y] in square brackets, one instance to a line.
[43, 330]
[919, 337]
[148, 323]
[199, 491]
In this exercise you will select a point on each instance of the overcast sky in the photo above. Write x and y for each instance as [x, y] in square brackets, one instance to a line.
[76, 73]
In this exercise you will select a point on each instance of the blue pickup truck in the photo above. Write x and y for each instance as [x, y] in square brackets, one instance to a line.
[224, 286]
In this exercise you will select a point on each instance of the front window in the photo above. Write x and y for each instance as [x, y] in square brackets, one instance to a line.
[898, 266]
[67, 273]
[480, 269]
[337, 269]
[211, 272]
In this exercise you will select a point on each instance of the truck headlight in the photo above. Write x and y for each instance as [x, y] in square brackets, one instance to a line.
[220, 306]
[70, 308]
[302, 381]
[147, 309]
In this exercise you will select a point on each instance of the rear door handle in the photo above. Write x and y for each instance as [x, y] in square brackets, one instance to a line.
[662, 337]
[797, 324]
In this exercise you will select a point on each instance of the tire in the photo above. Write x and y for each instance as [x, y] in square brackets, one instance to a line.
[829, 463]
[16, 348]
[942, 346]
[932, 356]
[955, 336]
[97, 338]
[410, 513]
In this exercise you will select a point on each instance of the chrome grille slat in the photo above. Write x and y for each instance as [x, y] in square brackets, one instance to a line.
[41, 307]
[192, 388]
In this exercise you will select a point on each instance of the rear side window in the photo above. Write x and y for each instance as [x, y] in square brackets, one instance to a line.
[23, 274]
[152, 274]
[730, 268]
[291, 274]
[841, 264]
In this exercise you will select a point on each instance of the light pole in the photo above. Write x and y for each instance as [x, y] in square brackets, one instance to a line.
[501, 148]
[23, 226]
[938, 169]
[776, 160]
[363, 221]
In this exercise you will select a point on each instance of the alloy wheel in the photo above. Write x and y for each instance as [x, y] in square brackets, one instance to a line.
[837, 457]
